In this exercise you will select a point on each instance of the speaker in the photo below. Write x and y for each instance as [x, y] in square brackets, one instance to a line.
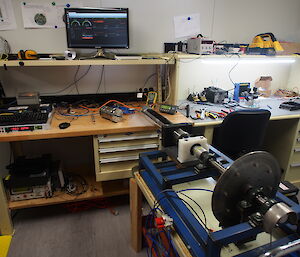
[170, 47]
[70, 55]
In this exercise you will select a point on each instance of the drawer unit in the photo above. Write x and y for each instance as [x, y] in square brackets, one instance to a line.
[293, 171]
[297, 144]
[116, 154]
[294, 174]
[295, 158]
[298, 140]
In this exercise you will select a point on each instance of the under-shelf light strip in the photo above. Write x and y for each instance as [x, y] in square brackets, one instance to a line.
[247, 61]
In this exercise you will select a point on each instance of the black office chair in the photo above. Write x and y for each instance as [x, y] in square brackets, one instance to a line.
[241, 132]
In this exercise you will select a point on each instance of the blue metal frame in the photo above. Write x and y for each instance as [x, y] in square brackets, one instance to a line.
[162, 176]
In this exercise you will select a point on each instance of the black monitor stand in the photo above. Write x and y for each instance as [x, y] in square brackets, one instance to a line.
[102, 54]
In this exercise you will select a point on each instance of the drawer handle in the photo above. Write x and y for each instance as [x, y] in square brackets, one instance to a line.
[119, 159]
[297, 150]
[104, 139]
[127, 148]
[294, 165]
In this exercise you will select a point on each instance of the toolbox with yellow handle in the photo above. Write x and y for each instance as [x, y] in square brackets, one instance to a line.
[264, 44]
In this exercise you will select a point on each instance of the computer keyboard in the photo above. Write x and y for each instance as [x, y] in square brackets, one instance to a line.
[23, 118]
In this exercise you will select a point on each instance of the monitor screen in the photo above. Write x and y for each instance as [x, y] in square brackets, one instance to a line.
[97, 28]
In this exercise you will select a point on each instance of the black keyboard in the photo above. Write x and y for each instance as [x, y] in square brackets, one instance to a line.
[23, 118]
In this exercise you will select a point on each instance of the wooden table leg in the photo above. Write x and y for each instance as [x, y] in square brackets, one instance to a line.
[17, 148]
[209, 131]
[136, 215]
[6, 227]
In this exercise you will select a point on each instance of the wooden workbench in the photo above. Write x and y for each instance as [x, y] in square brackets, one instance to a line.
[83, 126]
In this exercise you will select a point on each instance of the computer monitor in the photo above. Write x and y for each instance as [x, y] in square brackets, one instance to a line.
[97, 27]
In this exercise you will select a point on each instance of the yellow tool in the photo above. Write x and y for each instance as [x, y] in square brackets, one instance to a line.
[151, 98]
[211, 115]
[28, 55]
[265, 44]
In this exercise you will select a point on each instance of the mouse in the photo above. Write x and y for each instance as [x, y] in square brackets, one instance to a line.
[64, 125]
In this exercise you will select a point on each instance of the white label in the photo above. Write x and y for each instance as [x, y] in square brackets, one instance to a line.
[283, 187]
[16, 108]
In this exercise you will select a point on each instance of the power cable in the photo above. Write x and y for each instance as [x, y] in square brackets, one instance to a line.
[213, 19]
[70, 85]
[192, 209]
[232, 68]
[100, 80]
[148, 78]
[78, 67]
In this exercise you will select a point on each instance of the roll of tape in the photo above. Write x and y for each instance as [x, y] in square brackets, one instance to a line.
[70, 55]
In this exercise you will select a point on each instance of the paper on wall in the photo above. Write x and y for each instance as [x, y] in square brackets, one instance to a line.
[7, 16]
[187, 25]
[46, 15]
[60, 10]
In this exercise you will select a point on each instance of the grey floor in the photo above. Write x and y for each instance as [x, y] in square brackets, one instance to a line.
[53, 232]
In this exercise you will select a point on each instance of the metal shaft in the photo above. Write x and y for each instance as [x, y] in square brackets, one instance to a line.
[179, 133]
[218, 166]
[199, 151]
[283, 250]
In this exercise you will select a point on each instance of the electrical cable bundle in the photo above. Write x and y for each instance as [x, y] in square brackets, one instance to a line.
[153, 236]
[158, 239]
[111, 101]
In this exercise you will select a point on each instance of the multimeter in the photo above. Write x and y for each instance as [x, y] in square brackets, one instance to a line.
[151, 98]
[168, 108]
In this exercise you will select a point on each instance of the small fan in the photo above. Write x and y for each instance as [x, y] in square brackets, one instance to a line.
[4, 48]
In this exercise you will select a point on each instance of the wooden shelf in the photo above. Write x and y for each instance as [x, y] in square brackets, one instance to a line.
[96, 190]
[47, 63]
[159, 59]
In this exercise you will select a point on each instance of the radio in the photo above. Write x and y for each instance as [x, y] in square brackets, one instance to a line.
[168, 108]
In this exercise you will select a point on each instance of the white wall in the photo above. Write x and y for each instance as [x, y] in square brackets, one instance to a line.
[294, 78]
[48, 80]
[151, 24]
[239, 21]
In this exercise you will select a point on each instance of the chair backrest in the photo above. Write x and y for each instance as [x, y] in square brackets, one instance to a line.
[241, 132]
